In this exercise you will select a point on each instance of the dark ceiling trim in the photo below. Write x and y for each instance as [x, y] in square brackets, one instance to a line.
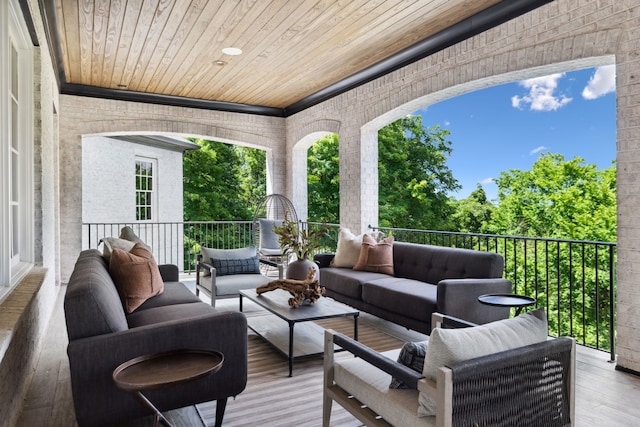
[151, 98]
[28, 19]
[50, 22]
[482, 21]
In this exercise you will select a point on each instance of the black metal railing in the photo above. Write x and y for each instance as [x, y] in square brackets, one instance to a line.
[574, 280]
[176, 243]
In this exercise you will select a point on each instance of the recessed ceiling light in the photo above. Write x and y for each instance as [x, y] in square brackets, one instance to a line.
[220, 62]
[233, 51]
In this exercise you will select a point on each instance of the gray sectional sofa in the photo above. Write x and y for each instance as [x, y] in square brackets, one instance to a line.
[427, 279]
[102, 336]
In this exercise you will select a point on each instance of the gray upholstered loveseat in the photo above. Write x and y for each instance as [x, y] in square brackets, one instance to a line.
[427, 279]
[102, 336]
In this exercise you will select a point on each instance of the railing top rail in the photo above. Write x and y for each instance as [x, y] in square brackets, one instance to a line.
[495, 236]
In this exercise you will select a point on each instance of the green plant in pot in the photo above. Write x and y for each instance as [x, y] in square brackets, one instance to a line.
[302, 242]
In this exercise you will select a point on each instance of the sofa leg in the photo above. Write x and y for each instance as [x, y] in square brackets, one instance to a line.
[221, 405]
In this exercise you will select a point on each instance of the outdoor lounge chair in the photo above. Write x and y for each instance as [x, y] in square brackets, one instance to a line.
[531, 385]
[223, 273]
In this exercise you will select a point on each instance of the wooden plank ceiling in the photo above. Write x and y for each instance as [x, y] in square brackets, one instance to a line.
[291, 48]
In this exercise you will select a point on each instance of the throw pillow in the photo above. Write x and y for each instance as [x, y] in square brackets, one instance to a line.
[226, 267]
[376, 256]
[111, 243]
[268, 238]
[242, 253]
[127, 233]
[348, 250]
[136, 275]
[411, 355]
[448, 346]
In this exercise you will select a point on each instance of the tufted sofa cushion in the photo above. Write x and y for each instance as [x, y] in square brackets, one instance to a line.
[431, 264]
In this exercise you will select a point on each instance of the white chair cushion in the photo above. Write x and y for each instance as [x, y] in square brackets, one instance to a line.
[371, 385]
[447, 346]
[231, 285]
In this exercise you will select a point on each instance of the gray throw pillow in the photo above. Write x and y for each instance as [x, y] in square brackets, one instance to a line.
[268, 238]
[242, 253]
[226, 267]
[412, 355]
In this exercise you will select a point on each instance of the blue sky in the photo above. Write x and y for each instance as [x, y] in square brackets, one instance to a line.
[508, 126]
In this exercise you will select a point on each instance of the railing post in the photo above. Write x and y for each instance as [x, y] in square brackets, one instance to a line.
[612, 352]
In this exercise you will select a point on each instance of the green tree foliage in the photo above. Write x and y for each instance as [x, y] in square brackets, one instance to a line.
[253, 178]
[323, 180]
[473, 214]
[557, 198]
[221, 182]
[210, 176]
[413, 177]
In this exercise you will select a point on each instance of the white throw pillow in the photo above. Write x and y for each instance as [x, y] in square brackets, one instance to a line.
[348, 250]
[111, 243]
[447, 346]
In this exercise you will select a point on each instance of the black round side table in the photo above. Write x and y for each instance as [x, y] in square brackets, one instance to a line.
[507, 300]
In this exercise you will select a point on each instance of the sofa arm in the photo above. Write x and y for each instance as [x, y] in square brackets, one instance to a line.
[323, 260]
[459, 298]
[169, 272]
[92, 361]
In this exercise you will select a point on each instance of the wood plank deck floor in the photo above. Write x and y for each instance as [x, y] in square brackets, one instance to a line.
[604, 396]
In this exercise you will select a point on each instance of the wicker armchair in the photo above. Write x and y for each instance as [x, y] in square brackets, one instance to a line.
[526, 386]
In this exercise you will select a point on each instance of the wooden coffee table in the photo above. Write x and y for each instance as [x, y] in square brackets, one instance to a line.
[160, 370]
[309, 337]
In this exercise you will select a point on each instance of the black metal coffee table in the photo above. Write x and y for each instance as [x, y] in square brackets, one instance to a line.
[309, 337]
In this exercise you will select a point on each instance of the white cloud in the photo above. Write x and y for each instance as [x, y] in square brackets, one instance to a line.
[487, 181]
[537, 150]
[542, 96]
[602, 82]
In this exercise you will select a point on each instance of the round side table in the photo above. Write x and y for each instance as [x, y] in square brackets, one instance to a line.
[507, 300]
[160, 370]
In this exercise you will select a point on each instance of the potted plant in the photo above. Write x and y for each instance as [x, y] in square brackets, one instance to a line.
[302, 242]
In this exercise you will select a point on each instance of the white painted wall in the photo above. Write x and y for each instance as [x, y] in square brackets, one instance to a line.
[108, 180]
[108, 195]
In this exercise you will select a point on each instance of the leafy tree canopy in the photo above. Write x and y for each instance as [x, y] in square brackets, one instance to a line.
[473, 214]
[414, 180]
[323, 180]
[209, 174]
[557, 198]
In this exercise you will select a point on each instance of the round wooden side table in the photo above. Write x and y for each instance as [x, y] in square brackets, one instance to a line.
[507, 300]
[160, 370]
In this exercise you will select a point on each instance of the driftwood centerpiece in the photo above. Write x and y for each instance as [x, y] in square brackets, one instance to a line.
[301, 290]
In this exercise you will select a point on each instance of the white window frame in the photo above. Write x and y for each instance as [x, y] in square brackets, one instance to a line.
[13, 31]
[153, 193]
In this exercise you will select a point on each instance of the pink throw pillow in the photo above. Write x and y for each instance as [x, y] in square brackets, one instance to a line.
[376, 256]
